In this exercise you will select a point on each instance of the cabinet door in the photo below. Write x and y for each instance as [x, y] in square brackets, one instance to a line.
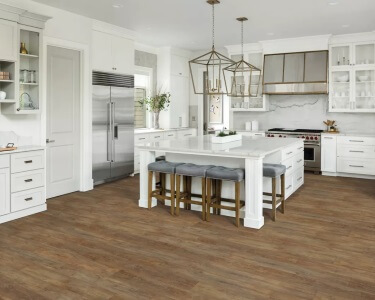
[316, 66]
[294, 67]
[102, 53]
[123, 55]
[179, 66]
[329, 153]
[273, 68]
[4, 192]
[8, 40]
[364, 90]
[179, 108]
[341, 90]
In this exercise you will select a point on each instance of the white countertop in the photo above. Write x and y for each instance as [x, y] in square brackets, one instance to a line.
[247, 147]
[351, 133]
[23, 149]
[151, 130]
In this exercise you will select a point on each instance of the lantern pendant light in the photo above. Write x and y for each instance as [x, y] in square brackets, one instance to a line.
[244, 78]
[213, 62]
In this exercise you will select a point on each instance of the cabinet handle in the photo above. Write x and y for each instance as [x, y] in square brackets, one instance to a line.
[170, 134]
[355, 151]
[29, 199]
[289, 187]
[188, 134]
[356, 141]
[354, 166]
[141, 139]
[299, 179]
[28, 161]
[28, 180]
[328, 138]
[299, 161]
[289, 153]
[300, 148]
[156, 137]
[288, 168]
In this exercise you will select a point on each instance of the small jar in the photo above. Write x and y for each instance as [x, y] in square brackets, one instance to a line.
[24, 76]
[32, 76]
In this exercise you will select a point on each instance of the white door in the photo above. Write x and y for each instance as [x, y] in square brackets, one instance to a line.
[63, 121]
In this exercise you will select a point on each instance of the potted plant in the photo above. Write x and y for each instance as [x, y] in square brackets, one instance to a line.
[226, 137]
[156, 104]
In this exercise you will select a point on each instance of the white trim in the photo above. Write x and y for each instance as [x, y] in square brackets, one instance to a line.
[348, 175]
[145, 48]
[113, 30]
[23, 213]
[86, 182]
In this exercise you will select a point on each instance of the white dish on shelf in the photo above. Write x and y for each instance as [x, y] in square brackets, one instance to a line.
[363, 78]
[343, 78]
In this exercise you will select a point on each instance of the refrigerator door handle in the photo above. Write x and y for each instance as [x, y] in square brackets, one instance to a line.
[114, 129]
[109, 132]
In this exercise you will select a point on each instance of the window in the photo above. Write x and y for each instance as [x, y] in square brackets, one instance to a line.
[142, 83]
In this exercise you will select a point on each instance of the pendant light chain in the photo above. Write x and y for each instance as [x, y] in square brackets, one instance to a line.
[213, 26]
[242, 38]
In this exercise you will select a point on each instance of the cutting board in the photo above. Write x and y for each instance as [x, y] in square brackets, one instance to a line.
[8, 149]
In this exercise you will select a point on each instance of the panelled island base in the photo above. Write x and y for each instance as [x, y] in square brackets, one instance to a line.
[250, 153]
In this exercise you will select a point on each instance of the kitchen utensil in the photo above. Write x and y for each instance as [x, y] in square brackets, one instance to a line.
[343, 78]
[363, 78]
[3, 95]
[9, 147]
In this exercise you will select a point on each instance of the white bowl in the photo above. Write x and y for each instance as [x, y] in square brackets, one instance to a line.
[343, 78]
[363, 78]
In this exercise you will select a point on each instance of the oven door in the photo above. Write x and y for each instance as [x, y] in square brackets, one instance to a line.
[312, 157]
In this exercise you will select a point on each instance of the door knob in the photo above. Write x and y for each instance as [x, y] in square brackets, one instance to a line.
[49, 141]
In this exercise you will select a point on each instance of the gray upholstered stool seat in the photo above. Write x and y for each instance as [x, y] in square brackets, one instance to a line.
[160, 158]
[273, 170]
[223, 173]
[163, 167]
[192, 170]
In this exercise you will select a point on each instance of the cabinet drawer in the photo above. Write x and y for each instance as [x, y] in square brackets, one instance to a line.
[157, 136]
[298, 160]
[27, 199]
[4, 161]
[186, 133]
[353, 151]
[298, 178]
[353, 140]
[27, 161]
[141, 138]
[288, 163]
[356, 166]
[288, 186]
[27, 180]
[170, 135]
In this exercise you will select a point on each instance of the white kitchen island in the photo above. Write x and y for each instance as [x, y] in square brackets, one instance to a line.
[250, 154]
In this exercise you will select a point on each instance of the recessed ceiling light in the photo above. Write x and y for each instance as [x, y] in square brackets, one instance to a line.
[345, 26]
[117, 5]
[333, 2]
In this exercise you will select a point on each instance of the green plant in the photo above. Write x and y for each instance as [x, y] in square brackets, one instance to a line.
[156, 103]
[223, 134]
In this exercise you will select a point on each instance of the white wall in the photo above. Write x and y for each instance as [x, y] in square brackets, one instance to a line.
[306, 111]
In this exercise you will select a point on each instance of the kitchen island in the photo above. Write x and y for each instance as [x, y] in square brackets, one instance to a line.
[250, 153]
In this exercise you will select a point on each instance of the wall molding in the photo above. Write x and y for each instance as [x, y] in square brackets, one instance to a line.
[113, 29]
[22, 16]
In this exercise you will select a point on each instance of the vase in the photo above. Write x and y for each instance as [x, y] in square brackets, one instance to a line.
[23, 49]
[156, 120]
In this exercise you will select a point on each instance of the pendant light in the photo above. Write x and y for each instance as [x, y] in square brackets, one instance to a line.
[213, 62]
[244, 78]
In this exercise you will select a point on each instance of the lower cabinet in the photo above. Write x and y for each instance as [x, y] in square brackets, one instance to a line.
[4, 191]
[329, 153]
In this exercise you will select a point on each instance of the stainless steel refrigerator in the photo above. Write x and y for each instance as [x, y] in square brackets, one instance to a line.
[113, 126]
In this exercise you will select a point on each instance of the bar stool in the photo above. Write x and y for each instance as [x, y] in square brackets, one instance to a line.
[275, 171]
[188, 171]
[163, 168]
[220, 174]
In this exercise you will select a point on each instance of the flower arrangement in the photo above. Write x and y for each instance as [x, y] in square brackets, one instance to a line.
[156, 104]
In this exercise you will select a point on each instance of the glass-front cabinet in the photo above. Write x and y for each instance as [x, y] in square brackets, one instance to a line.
[352, 78]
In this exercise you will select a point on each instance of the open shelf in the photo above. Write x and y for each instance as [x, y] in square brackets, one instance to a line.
[29, 83]
[8, 101]
[29, 55]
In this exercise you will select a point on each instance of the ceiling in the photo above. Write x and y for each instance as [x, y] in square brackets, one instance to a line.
[187, 23]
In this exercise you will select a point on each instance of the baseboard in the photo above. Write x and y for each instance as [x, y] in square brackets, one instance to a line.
[337, 174]
[23, 213]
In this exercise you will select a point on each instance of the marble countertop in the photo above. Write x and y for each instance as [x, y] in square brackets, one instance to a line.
[351, 133]
[23, 149]
[247, 147]
[151, 130]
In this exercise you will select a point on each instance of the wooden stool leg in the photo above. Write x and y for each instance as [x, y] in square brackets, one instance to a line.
[178, 194]
[204, 199]
[150, 178]
[218, 195]
[190, 184]
[237, 199]
[283, 193]
[208, 200]
[274, 199]
[172, 193]
[214, 194]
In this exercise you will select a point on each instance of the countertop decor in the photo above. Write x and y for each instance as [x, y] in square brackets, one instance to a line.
[156, 104]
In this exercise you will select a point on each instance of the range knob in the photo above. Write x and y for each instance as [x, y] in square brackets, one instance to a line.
[280, 135]
[272, 136]
[316, 138]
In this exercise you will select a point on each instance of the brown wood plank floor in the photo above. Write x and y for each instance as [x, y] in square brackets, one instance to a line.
[100, 245]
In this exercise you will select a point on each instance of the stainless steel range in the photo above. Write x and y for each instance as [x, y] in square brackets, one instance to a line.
[312, 140]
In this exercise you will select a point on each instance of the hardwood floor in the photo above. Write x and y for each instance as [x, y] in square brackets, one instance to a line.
[101, 245]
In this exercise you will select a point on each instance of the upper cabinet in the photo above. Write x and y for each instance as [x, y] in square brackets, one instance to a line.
[352, 77]
[179, 66]
[113, 54]
[8, 40]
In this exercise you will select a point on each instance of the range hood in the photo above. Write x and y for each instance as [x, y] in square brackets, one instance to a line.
[298, 73]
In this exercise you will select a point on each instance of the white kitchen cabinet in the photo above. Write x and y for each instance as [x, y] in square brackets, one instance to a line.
[4, 191]
[179, 66]
[179, 107]
[250, 133]
[112, 53]
[329, 153]
[352, 77]
[8, 40]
